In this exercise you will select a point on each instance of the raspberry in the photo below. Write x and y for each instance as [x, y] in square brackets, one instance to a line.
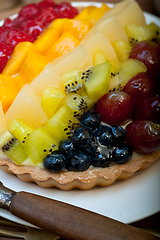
[3, 34]
[65, 10]
[7, 23]
[5, 52]
[28, 11]
[46, 3]
[46, 16]
[32, 28]
[15, 36]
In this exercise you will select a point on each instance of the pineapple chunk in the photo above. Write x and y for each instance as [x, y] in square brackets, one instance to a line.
[122, 50]
[61, 124]
[51, 101]
[100, 57]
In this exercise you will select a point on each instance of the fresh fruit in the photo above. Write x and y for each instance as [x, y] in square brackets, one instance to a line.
[104, 135]
[12, 148]
[5, 52]
[20, 129]
[65, 10]
[126, 71]
[115, 107]
[76, 104]
[148, 109]
[118, 136]
[51, 100]
[61, 124]
[71, 80]
[3, 125]
[123, 154]
[64, 44]
[149, 53]
[79, 162]
[54, 162]
[122, 49]
[82, 137]
[27, 102]
[100, 57]
[143, 136]
[96, 80]
[139, 87]
[67, 148]
[91, 120]
[39, 144]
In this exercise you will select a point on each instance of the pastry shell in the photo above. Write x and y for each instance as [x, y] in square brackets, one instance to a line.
[86, 180]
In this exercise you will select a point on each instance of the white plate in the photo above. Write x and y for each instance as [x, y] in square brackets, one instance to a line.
[126, 201]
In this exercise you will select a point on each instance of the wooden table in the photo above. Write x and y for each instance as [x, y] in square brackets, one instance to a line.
[152, 223]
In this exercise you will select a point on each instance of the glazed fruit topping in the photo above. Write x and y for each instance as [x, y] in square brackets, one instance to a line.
[31, 21]
[143, 136]
[115, 107]
[98, 147]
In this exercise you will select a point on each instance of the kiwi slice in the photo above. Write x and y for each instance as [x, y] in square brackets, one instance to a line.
[20, 129]
[39, 144]
[96, 80]
[71, 80]
[12, 148]
[77, 105]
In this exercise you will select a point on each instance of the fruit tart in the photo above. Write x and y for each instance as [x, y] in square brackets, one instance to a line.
[80, 100]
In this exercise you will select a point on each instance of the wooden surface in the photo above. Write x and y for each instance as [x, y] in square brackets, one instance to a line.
[152, 223]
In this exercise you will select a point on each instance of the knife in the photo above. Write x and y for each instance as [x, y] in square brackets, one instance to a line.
[65, 220]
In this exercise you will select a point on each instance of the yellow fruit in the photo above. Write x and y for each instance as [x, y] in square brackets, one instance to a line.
[83, 15]
[51, 77]
[76, 27]
[63, 45]
[61, 124]
[46, 40]
[58, 24]
[122, 49]
[17, 57]
[27, 106]
[100, 57]
[3, 125]
[51, 101]
[32, 65]
[8, 91]
[97, 13]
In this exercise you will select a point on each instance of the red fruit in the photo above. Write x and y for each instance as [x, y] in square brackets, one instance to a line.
[139, 88]
[115, 107]
[32, 28]
[46, 3]
[15, 36]
[143, 136]
[149, 53]
[148, 109]
[5, 52]
[7, 23]
[46, 16]
[3, 34]
[29, 11]
[65, 10]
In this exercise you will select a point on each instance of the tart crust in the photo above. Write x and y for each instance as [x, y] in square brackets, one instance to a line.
[86, 180]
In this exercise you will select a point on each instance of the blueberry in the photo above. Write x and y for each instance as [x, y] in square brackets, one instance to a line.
[91, 120]
[67, 148]
[118, 135]
[79, 162]
[102, 158]
[91, 147]
[104, 135]
[82, 137]
[122, 154]
[55, 162]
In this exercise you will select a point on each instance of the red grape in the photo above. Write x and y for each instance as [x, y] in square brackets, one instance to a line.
[139, 88]
[143, 136]
[148, 109]
[149, 53]
[115, 107]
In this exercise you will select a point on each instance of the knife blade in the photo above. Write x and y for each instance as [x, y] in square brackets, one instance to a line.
[65, 220]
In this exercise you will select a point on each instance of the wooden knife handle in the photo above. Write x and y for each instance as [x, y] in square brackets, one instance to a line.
[71, 222]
